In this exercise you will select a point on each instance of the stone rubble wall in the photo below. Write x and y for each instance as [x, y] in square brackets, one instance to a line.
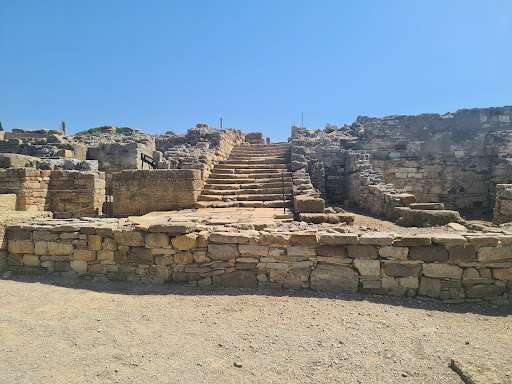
[453, 268]
[138, 192]
[67, 193]
[503, 206]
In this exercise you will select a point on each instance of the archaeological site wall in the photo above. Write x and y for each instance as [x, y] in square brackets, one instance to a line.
[450, 267]
[143, 191]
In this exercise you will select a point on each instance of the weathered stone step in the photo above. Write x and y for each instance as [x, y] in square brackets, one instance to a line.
[248, 186]
[264, 191]
[248, 180]
[251, 166]
[238, 176]
[250, 197]
[247, 204]
[266, 161]
[226, 171]
[284, 159]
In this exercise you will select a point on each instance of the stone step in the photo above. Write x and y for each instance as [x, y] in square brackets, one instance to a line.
[238, 176]
[262, 191]
[283, 159]
[246, 204]
[251, 166]
[250, 197]
[266, 161]
[248, 181]
[247, 186]
[225, 171]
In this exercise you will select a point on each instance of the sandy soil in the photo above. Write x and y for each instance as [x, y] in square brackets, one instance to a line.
[63, 330]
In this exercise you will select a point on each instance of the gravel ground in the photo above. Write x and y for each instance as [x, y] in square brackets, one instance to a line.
[63, 330]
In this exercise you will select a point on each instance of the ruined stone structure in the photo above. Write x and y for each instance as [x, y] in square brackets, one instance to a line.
[421, 171]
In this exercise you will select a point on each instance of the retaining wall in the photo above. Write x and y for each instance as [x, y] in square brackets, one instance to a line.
[142, 191]
[450, 267]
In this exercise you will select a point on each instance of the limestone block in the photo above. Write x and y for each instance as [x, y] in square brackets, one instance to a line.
[31, 260]
[185, 242]
[277, 276]
[129, 238]
[338, 239]
[253, 250]
[394, 252]
[429, 287]
[299, 274]
[109, 244]
[403, 270]
[21, 246]
[17, 234]
[367, 267]
[163, 260]
[40, 248]
[233, 238]
[275, 239]
[481, 290]
[222, 251]
[442, 271]
[183, 257]
[173, 227]
[304, 238]
[433, 253]
[502, 274]
[373, 239]
[94, 242]
[105, 255]
[59, 249]
[140, 255]
[246, 279]
[362, 251]
[78, 266]
[450, 240]
[481, 240]
[279, 266]
[486, 254]
[84, 255]
[334, 278]
[276, 252]
[331, 250]
[412, 241]
[467, 253]
[14, 259]
[408, 283]
[300, 251]
[308, 204]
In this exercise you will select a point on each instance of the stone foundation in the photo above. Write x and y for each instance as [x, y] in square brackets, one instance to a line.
[453, 268]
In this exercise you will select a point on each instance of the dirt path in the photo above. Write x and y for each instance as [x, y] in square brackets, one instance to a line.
[58, 330]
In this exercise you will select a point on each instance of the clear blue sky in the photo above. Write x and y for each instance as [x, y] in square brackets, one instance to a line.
[167, 65]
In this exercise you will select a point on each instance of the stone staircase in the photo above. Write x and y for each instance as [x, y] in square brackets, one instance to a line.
[252, 176]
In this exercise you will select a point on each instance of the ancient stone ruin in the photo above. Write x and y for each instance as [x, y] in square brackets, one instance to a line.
[126, 205]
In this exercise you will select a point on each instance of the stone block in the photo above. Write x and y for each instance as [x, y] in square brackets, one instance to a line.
[450, 240]
[59, 249]
[245, 279]
[442, 271]
[233, 238]
[129, 238]
[502, 273]
[31, 260]
[308, 204]
[275, 239]
[15, 259]
[376, 239]
[301, 251]
[394, 252]
[338, 239]
[432, 253]
[486, 254]
[94, 242]
[78, 266]
[253, 250]
[157, 240]
[140, 255]
[173, 227]
[331, 250]
[105, 255]
[412, 241]
[483, 240]
[84, 255]
[277, 276]
[21, 246]
[334, 278]
[481, 290]
[362, 251]
[222, 251]
[429, 287]
[304, 239]
[183, 257]
[403, 270]
[40, 248]
[367, 267]
[408, 282]
[17, 234]
[185, 242]
[466, 253]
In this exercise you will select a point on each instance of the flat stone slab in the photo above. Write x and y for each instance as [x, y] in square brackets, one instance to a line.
[472, 373]
[427, 206]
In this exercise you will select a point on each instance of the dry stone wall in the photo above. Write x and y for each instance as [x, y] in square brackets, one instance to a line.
[453, 268]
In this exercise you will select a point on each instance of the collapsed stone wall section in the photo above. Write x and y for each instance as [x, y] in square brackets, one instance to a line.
[453, 268]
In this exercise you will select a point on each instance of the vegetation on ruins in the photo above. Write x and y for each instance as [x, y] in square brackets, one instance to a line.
[95, 131]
